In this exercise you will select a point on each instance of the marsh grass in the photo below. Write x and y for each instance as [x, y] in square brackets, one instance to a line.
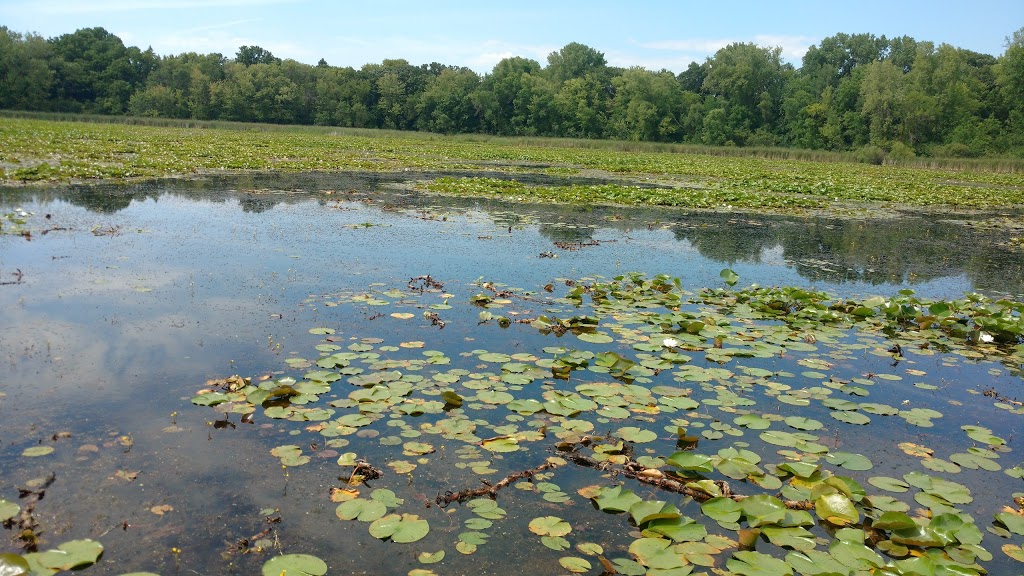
[1003, 165]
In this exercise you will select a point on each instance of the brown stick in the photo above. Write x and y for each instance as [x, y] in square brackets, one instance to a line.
[489, 490]
[654, 477]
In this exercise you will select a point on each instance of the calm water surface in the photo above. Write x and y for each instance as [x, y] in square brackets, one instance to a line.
[112, 319]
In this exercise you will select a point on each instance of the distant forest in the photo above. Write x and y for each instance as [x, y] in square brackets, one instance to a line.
[876, 95]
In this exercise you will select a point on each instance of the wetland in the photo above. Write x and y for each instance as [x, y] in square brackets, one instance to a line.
[427, 361]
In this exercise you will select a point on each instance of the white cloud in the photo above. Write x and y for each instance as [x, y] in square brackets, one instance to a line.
[653, 62]
[699, 45]
[480, 56]
[793, 47]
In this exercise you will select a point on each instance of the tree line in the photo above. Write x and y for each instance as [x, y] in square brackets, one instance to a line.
[877, 95]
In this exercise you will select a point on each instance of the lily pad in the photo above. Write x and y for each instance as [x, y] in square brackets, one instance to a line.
[8, 509]
[403, 528]
[616, 499]
[549, 526]
[295, 564]
[70, 555]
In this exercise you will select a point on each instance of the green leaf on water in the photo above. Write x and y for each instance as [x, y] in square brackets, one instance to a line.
[431, 557]
[549, 526]
[656, 553]
[403, 528]
[361, 509]
[889, 484]
[8, 509]
[849, 460]
[574, 564]
[749, 563]
[730, 277]
[645, 511]
[70, 555]
[615, 499]
[794, 537]
[13, 565]
[295, 565]
[691, 462]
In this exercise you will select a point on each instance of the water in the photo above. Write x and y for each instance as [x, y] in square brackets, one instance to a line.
[125, 300]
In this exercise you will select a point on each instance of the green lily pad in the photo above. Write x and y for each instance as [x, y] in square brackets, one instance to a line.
[680, 529]
[574, 564]
[595, 337]
[8, 509]
[13, 565]
[431, 557]
[361, 509]
[723, 510]
[796, 537]
[849, 460]
[691, 461]
[730, 277]
[836, 509]
[645, 511]
[36, 451]
[402, 529]
[549, 526]
[70, 555]
[616, 499]
[656, 553]
[295, 564]
[749, 563]
[636, 435]
[556, 543]
[762, 509]
[889, 484]
[752, 421]
[803, 423]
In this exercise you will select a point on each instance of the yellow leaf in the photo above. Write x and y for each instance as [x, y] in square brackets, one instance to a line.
[161, 510]
[916, 450]
[343, 494]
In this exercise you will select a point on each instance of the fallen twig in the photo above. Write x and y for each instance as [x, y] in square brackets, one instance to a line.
[655, 477]
[488, 489]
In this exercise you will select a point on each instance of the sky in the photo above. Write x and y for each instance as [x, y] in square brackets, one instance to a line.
[653, 34]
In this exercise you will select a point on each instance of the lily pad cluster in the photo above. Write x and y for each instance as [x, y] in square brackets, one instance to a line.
[780, 412]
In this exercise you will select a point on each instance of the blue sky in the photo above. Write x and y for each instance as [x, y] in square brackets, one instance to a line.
[652, 34]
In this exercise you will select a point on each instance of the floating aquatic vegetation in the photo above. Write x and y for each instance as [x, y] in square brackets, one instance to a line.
[714, 399]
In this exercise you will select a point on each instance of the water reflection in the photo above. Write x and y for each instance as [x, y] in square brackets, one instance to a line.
[906, 251]
[111, 333]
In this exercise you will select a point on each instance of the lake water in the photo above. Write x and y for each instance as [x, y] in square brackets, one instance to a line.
[124, 300]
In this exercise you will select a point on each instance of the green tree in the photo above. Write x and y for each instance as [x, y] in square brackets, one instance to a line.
[883, 98]
[574, 60]
[445, 105]
[836, 57]
[650, 106]
[249, 55]
[95, 72]
[582, 105]
[504, 97]
[749, 81]
[25, 75]
[1010, 80]
[343, 97]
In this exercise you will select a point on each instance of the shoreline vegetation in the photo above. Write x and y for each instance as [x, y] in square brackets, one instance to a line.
[44, 149]
[879, 98]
